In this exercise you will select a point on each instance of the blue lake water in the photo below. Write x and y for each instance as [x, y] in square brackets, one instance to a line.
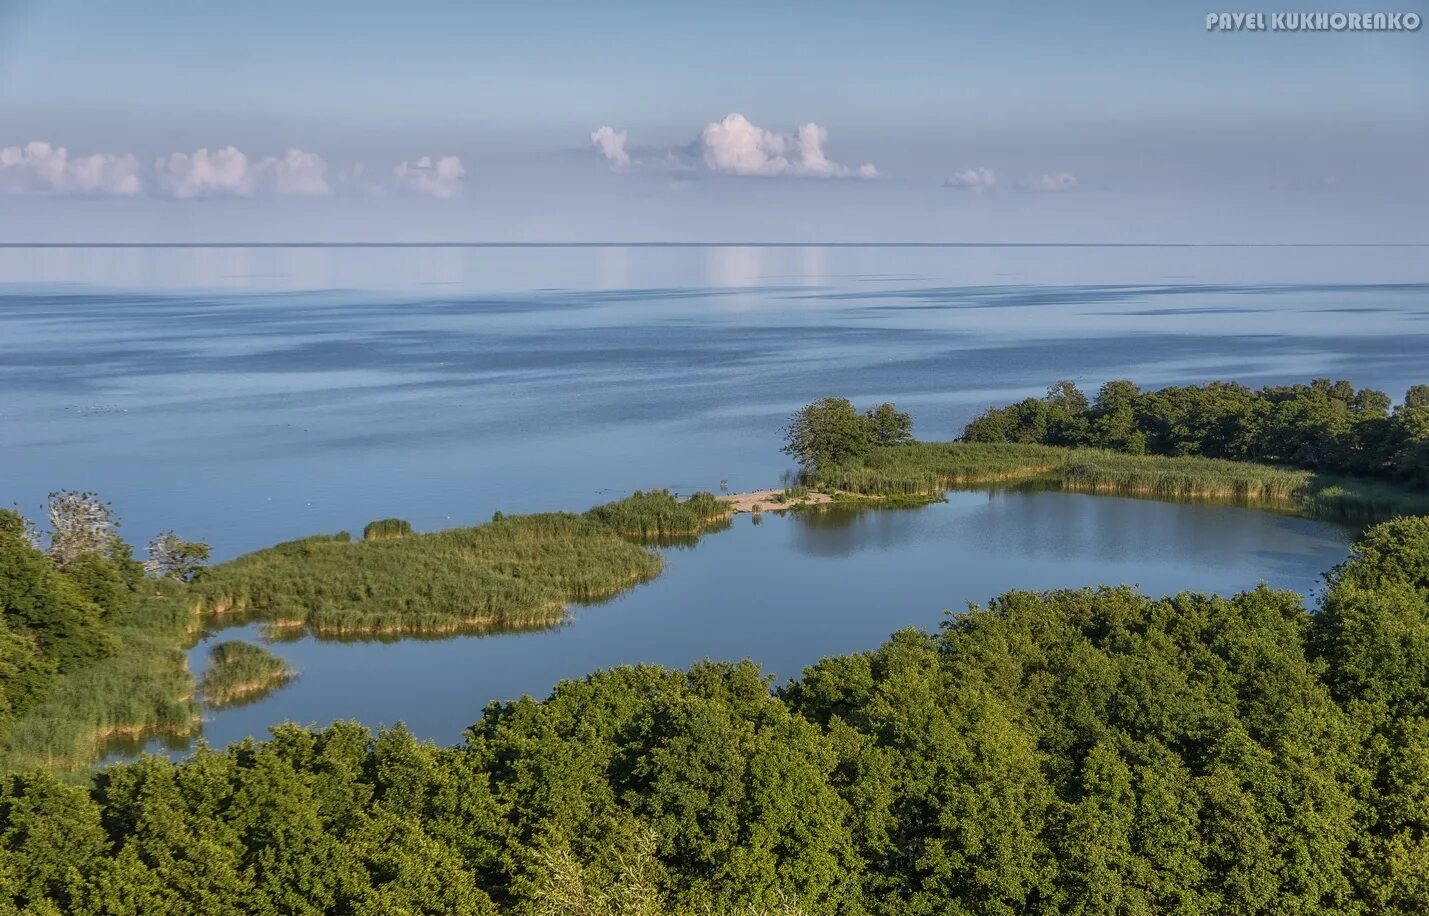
[789, 591]
[245, 396]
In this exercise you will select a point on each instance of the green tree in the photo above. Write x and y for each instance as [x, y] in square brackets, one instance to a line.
[826, 432]
[888, 425]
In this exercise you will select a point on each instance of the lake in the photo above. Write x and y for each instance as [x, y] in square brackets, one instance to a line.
[244, 396]
[788, 591]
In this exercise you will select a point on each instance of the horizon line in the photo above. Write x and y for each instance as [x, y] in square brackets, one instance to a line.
[711, 244]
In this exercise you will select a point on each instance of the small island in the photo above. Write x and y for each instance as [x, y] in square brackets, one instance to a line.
[241, 672]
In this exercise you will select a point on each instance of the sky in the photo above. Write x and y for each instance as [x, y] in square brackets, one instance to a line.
[155, 121]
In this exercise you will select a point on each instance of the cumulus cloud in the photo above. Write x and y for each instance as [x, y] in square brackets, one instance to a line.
[735, 146]
[611, 143]
[229, 172]
[43, 168]
[973, 179]
[1052, 181]
[298, 174]
[440, 176]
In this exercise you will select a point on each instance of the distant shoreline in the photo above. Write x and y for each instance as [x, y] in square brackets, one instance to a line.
[726, 244]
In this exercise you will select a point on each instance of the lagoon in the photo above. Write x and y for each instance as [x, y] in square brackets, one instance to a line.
[786, 592]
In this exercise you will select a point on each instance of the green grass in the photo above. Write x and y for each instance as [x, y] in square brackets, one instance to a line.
[924, 469]
[659, 515]
[239, 671]
[142, 689]
[518, 572]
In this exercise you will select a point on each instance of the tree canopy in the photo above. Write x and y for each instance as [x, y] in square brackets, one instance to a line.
[831, 430]
[1323, 426]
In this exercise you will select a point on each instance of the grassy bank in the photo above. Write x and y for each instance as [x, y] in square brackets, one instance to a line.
[142, 689]
[515, 572]
[239, 671]
[923, 469]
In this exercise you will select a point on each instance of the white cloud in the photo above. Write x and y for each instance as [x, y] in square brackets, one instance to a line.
[440, 177]
[298, 174]
[42, 168]
[973, 179]
[735, 146]
[611, 143]
[229, 172]
[1052, 181]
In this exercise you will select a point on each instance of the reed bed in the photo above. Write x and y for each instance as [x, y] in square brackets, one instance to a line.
[516, 572]
[239, 671]
[1182, 477]
[659, 515]
[142, 689]
[927, 468]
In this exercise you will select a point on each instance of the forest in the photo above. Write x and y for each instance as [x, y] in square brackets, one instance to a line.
[1325, 426]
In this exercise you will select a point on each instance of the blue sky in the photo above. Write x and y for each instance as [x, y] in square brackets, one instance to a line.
[1014, 121]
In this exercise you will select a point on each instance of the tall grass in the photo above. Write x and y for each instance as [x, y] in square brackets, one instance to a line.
[142, 689]
[659, 515]
[516, 572]
[927, 468]
[239, 671]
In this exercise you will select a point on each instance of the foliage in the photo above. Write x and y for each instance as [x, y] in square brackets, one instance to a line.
[1087, 751]
[518, 572]
[386, 528]
[88, 648]
[239, 671]
[1327, 427]
[141, 688]
[827, 431]
[888, 425]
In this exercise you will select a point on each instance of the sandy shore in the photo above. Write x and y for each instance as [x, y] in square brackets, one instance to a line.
[764, 499]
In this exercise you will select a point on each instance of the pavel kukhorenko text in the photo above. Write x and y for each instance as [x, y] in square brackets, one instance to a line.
[1312, 22]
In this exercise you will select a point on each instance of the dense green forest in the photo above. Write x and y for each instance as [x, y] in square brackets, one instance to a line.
[1093, 751]
[1328, 427]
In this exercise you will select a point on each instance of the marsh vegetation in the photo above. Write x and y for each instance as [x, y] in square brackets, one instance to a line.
[516, 572]
[659, 514]
[238, 671]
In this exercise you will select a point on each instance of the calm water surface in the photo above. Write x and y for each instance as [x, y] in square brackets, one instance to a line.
[791, 590]
[246, 396]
